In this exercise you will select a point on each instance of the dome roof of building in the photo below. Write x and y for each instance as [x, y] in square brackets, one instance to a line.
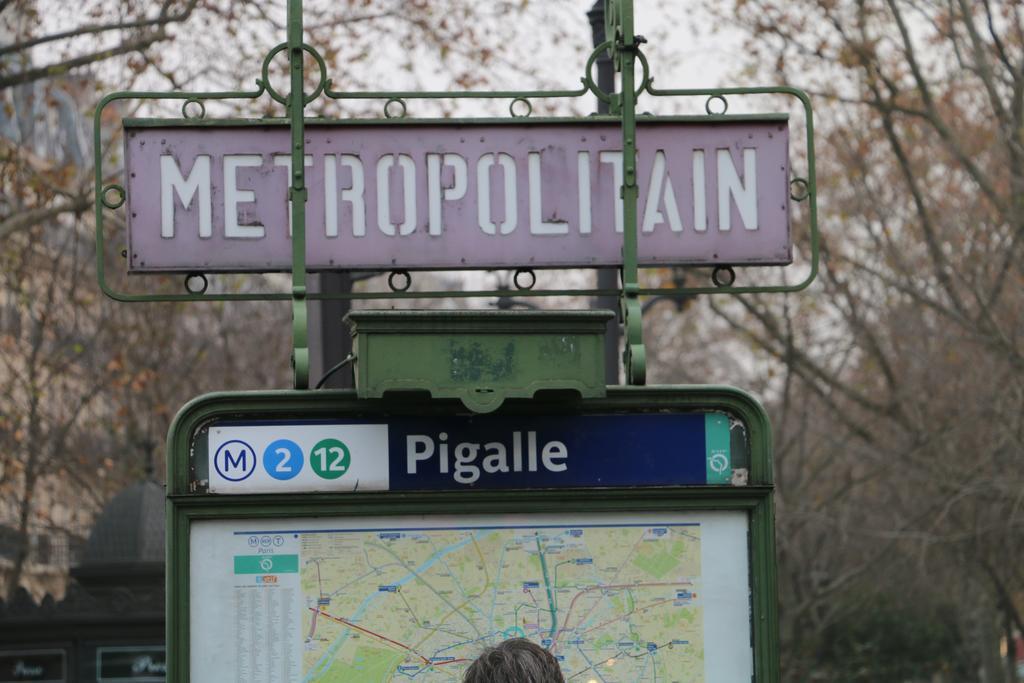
[130, 529]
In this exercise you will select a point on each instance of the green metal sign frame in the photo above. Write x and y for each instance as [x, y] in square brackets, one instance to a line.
[186, 505]
[624, 46]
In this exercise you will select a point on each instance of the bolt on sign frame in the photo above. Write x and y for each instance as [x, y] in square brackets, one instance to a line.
[625, 48]
[231, 531]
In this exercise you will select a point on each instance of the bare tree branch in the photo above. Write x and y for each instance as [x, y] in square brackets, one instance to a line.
[27, 219]
[161, 19]
[62, 68]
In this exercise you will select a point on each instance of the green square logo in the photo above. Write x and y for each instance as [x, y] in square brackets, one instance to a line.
[266, 564]
[717, 452]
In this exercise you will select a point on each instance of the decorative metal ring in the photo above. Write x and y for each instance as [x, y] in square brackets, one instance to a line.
[524, 271]
[278, 97]
[387, 108]
[588, 80]
[646, 79]
[399, 273]
[799, 189]
[190, 283]
[723, 276]
[112, 203]
[193, 100]
[712, 98]
[512, 108]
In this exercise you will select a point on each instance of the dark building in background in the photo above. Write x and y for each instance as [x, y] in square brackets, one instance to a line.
[109, 627]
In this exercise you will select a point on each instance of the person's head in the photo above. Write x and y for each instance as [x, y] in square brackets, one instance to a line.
[514, 661]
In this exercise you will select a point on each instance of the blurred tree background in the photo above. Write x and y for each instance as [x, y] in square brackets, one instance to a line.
[88, 386]
[895, 384]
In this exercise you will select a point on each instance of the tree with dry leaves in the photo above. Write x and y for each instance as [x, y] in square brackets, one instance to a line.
[88, 386]
[897, 382]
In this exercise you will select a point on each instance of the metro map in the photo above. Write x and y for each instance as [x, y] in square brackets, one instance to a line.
[613, 603]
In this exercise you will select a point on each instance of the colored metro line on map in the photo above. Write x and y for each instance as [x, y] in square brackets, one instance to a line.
[613, 603]
[616, 597]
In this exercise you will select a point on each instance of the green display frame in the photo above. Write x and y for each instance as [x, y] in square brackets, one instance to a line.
[186, 506]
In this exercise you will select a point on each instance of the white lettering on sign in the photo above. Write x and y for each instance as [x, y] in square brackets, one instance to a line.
[744, 192]
[483, 186]
[461, 459]
[23, 670]
[538, 226]
[353, 194]
[477, 195]
[583, 188]
[408, 167]
[147, 665]
[615, 160]
[700, 212]
[434, 187]
[661, 193]
[658, 190]
[233, 196]
[172, 182]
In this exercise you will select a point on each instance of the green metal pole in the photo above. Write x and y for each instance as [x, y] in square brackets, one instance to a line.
[297, 194]
[607, 278]
[626, 47]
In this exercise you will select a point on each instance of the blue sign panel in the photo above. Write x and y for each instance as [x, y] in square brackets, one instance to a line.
[472, 452]
[550, 452]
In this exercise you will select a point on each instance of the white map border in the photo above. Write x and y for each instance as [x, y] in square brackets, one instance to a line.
[725, 573]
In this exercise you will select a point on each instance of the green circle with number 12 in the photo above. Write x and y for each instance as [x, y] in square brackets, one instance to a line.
[330, 458]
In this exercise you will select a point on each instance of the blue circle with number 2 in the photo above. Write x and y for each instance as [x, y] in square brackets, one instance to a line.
[282, 459]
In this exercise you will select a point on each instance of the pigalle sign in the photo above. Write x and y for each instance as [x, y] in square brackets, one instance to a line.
[545, 193]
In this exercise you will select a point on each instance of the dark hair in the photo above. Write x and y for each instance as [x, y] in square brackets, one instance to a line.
[514, 661]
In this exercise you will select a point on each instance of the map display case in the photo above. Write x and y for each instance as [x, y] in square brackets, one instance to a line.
[324, 538]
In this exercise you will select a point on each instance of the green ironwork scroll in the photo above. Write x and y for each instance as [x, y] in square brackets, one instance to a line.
[637, 83]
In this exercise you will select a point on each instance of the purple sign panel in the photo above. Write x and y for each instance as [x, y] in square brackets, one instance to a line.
[436, 195]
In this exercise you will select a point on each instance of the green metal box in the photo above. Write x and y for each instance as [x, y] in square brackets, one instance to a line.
[479, 357]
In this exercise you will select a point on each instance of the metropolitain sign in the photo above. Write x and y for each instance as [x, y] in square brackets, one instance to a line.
[493, 194]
